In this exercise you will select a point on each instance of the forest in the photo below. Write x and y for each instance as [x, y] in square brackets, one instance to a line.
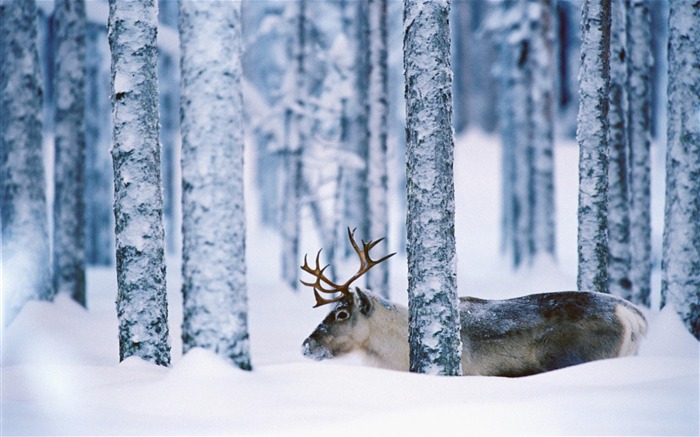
[184, 183]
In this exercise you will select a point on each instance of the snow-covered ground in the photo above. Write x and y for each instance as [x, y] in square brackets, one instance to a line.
[61, 375]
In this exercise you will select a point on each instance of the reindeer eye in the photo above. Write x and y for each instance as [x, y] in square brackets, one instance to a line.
[342, 315]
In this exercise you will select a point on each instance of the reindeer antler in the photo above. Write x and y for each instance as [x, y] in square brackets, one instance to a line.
[325, 285]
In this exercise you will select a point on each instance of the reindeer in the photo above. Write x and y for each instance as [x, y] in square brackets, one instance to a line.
[512, 337]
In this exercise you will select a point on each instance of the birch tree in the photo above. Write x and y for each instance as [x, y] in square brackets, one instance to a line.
[377, 215]
[680, 269]
[592, 137]
[138, 200]
[214, 263]
[618, 174]
[527, 58]
[435, 345]
[541, 92]
[294, 139]
[639, 69]
[69, 205]
[26, 272]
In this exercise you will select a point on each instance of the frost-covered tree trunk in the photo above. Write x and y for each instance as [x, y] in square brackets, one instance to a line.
[541, 69]
[295, 139]
[680, 270]
[169, 97]
[592, 137]
[519, 38]
[142, 306]
[213, 220]
[639, 64]
[378, 278]
[99, 216]
[435, 345]
[69, 205]
[618, 201]
[506, 127]
[26, 268]
[357, 185]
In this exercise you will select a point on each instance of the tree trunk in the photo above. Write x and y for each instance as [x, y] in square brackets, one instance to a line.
[592, 137]
[25, 237]
[639, 63]
[69, 205]
[680, 269]
[618, 198]
[432, 279]
[541, 69]
[295, 138]
[378, 278]
[138, 201]
[213, 222]
[99, 216]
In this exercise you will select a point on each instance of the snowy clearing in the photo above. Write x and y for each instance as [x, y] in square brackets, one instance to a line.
[60, 370]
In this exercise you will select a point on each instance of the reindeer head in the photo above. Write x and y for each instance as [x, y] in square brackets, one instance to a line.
[345, 328]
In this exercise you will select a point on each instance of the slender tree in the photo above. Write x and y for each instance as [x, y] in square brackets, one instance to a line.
[169, 97]
[522, 132]
[435, 345]
[294, 138]
[541, 60]
[26, 272]
[639, 69]
[99, 216]
[377, 214]
[69, 204]
[592, 137]
[213, 227]
[618, 192]
[357, 207]
[527, 58]
[680, 269]
[142, 307]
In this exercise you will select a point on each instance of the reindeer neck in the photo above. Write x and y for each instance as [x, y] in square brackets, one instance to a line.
[388, 341]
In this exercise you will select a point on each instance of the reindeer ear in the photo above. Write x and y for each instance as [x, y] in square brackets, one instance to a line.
[363, 302]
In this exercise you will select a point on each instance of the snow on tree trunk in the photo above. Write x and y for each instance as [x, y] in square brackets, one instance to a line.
[26, 272]
[295, 138]
[542, 122]
[432, 278]
[69, 204]
[522, 138]
[639, 63]
[213, 220]
[592, 137]
[618, 201]
[168, 82]
[357, 204]
[506, 119]
[680, 270]
[138, 201]
[378, 278]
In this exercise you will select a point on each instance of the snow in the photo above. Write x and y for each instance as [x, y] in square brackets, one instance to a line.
[60, 370]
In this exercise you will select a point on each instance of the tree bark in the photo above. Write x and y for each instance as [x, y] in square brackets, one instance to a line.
[680, 268]
[592, 137]
[69, 204]
[142, 306]
[26, 264]
[214, 263]
[435, 344]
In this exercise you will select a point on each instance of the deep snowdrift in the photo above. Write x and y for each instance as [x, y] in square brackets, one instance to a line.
[60, 370]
